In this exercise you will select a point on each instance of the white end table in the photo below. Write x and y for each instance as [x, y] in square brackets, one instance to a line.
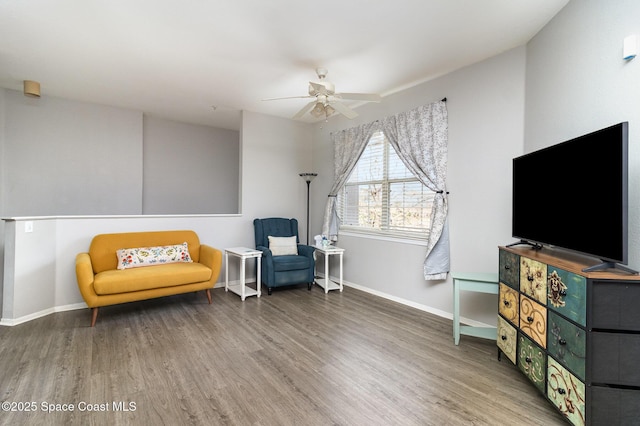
[326, 282]
[480, 283]
[241, 288]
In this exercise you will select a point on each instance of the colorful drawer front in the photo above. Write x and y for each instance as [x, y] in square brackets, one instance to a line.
[533, 320]
[509, 269]
[533, 279]
[566, 392]
[509, 304]
[567, 343]
[566, 293]
[532, 361]
[507, 339]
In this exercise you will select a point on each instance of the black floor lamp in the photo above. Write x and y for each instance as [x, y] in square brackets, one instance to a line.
[308, 177]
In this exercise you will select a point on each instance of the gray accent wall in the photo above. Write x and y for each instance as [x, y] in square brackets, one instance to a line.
[189, 169]
[62, 157]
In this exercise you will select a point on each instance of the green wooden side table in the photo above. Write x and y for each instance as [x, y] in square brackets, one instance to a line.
[480, 283]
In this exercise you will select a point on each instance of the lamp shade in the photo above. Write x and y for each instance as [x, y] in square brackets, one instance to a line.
[308, 176]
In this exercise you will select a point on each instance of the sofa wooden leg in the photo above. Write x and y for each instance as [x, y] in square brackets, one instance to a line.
[269, 290]
[94, 316]
[208, 295]
[309, 285]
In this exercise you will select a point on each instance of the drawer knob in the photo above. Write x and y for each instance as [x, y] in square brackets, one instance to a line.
[503, 337]
[563, 292]
[562, 341]
[507, 267]
[528, 360]
[561, 391]
[506, 303]
[529, 320]
[529, 277]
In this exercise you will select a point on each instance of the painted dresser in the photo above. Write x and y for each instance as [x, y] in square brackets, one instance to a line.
[575, 335]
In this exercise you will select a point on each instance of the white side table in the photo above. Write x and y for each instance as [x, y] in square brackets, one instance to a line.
[243, 253]
[480, 283]
[325, 282]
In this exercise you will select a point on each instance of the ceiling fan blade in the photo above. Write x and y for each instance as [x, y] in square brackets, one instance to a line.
[344, 110]
[289, 97]
[369, 97]
[305, 109]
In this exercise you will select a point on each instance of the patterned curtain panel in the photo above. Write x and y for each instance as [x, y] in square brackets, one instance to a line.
[420, 137]
[347, 149]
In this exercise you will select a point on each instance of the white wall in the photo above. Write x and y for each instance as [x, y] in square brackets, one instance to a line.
[486, 118]
[275, 151]
[577, 82]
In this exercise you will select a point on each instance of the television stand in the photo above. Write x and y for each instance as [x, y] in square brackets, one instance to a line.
[534, 246]
[610, 265]
[575, 335]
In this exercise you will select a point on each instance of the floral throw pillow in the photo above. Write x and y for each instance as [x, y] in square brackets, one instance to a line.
[148, 256]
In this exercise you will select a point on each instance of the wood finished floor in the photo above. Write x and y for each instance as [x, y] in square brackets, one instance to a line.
[296, 357]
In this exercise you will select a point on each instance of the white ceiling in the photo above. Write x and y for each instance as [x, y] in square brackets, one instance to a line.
[179, 59]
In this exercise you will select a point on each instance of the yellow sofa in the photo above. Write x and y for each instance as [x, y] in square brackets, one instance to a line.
[101, 283]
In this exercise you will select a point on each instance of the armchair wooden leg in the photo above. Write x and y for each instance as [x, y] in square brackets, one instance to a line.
[208, 295]
[309, 285]
[94, 316]
[269, 290]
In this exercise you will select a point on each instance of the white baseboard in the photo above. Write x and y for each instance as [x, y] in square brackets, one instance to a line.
[15, 321]
[424, 308]
[9, 322]
[75, 306]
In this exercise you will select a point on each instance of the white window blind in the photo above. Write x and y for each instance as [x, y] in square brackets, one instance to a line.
[382, 196]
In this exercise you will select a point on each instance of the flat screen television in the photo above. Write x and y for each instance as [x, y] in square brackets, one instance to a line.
[573, 195]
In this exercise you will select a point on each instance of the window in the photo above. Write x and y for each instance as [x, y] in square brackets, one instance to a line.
[383, 197]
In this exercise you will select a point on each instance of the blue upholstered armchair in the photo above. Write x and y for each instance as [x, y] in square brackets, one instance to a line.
[285, 269]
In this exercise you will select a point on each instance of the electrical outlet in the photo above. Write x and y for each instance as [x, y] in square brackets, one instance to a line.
[28, 226]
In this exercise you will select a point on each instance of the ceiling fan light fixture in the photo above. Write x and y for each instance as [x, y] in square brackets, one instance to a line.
[318, 110]
[328, 110]
[326, 101]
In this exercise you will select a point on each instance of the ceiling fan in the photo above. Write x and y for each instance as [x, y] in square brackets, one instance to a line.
[326, 101]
